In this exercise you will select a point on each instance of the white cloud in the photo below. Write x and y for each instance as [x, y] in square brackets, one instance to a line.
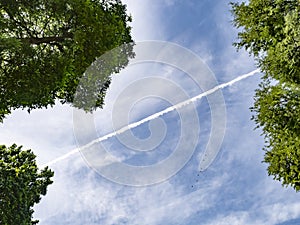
[80, 196]
[48, 132]
[146, 22]
[84, 198]
[263, 215]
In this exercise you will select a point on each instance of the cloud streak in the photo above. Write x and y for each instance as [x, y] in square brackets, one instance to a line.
[152, 117]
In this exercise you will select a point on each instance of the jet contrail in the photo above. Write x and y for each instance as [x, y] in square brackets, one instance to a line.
[153, 116]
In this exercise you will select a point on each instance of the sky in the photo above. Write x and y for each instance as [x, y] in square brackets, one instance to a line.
[234, 189]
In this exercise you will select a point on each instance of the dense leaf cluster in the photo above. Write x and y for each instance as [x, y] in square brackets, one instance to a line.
[49, 50]
[271, 32]
[21, 185]
[46, 46]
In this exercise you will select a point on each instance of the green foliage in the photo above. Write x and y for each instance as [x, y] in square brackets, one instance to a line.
[271, 32]
[21, 185]
[277, 110]
[46, 46]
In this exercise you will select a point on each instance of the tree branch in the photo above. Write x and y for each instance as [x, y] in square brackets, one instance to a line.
[46, 40]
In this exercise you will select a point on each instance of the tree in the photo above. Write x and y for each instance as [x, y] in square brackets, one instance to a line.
[271, 32]
[21, 185]
[46, 46]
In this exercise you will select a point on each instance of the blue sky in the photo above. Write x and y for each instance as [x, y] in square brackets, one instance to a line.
[234, 190]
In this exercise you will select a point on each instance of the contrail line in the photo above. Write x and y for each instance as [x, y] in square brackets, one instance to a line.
[153, 116]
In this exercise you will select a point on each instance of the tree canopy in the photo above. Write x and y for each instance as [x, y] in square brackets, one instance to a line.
[46, 46]
[21, 185]
[271, 32]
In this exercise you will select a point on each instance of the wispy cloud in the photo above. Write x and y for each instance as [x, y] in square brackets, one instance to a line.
[265, 215]
[149, 118]
[234, 190]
